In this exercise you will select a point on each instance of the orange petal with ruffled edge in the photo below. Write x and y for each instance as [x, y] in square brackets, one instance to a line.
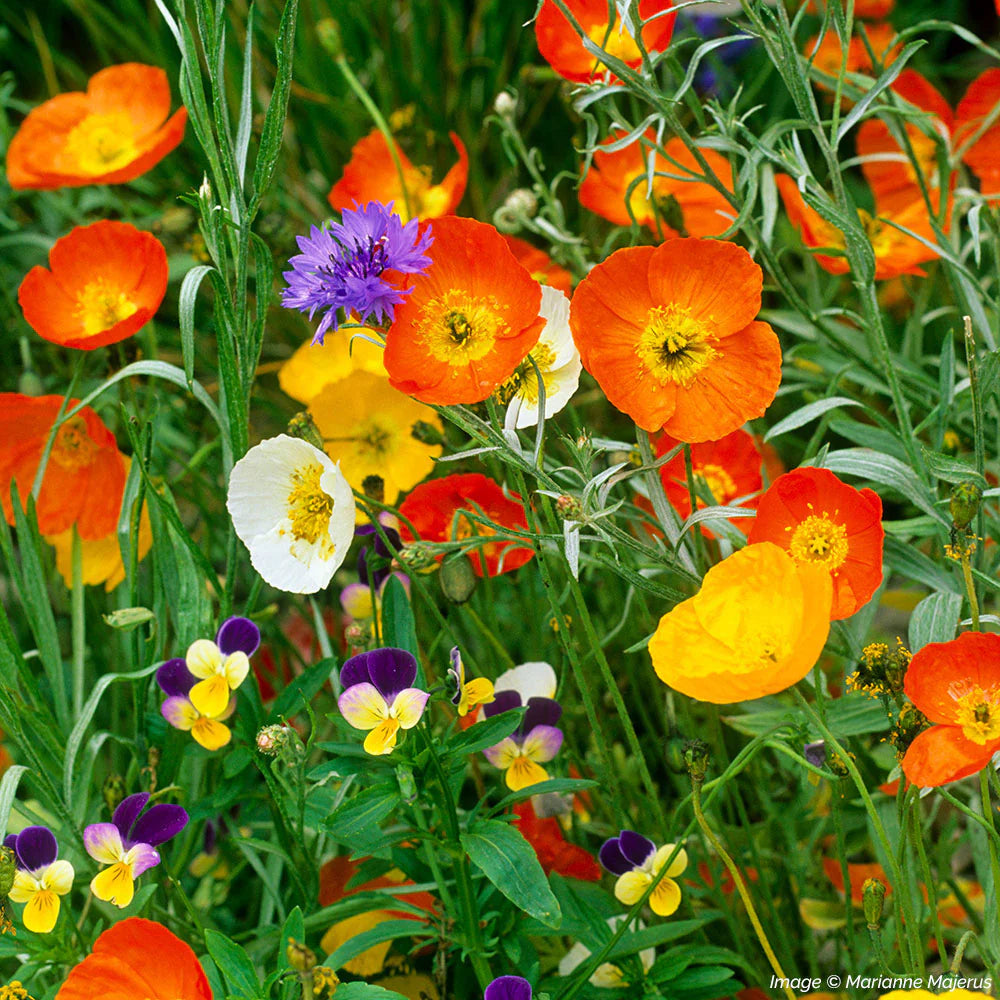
[941, 754]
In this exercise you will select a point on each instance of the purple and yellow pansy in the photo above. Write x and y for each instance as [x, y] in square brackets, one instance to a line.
[636, 861]
[40, 878]
[220, 667]
[176, 682]
[467, 695]
[535, 741]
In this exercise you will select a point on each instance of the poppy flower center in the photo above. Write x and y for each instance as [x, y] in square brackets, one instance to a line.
[459, 328]
[73, 447]
[619, 43]
[310, 508]
[101, 143]
[100, 305]
[977, 711]
[674, 346]
[721, 484]
[524, 381]
[819, 539]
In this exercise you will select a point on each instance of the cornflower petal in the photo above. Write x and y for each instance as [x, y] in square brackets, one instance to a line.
[542, 743]
[408, 706]
[103, 842]
[211, 696]
[163, 821]
[363, 706]
[238, 635]
[204, 658]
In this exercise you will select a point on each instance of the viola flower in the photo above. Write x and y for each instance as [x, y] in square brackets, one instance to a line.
[468, 694]
[137, 958]
[113, 133]
[957, 687]
[40, 879]
[607, 974]
[128, 845]
[367, 427]
[636, 861]
[983, 156]
[535, 741]
[344, 266]
[508, 988]
[558, 363]
[379, 696]
[820, 520]
[315, 366]
[687, 206]
[371, 175]
[757, 626]
[293, 509]
[885, 164]
[85, 476]
[540, 265]
[555, 853]
[470, 320]
[176, 682]
[106, 282]
[669, 334]
[896, 253]
[562, 48]
[435, 509]
[221, 666]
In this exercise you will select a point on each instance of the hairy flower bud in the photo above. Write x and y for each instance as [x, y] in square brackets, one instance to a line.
[303, 426]
[505, 105]
[300, 957]
[873, 896]
[271, 740]
[964, 506]
[458, 581]
[568, 508]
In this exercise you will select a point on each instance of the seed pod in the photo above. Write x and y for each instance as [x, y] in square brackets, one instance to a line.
[457, 579]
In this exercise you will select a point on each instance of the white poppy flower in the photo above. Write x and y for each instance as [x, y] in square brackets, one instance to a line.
[294, 511]
[558, 362]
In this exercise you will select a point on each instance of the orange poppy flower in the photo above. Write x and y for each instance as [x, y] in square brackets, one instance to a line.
[873, 9]
[689, 207]
[828, 55]
[555, 852]
[470, 320]
[957, 686]
[113, 133]
[821, 521]
[563, 50]
[106, 282]
[431, 508]
[886, 166]
[670, 336]
[85, 476]
[371, 175]
[858, 874]
[895, 252]
[540, 265]
[729, 467]
[983, 156]
[137, 958]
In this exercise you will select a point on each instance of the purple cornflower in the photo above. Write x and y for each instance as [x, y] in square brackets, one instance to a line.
[342, 265]
[508, 988]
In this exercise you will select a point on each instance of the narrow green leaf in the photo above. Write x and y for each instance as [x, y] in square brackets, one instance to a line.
[951, 470]
[8, 790]
[185, 311]
[935, 619]
[484, 734]
[808, 413]
[388, 930]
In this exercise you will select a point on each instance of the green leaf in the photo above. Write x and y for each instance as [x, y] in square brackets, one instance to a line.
[935, 619]
[234, 963]
[398, 626]
[952, 470]
[185, 312]
[356, 821]
[808, 413]
[366, 991]
[510, 863]
[295, 928]
[387, 930]
[880, 468]
[852, 715]
[653, 937]
[8, 790]
[554, 786]
[303, 688]
[485, 734]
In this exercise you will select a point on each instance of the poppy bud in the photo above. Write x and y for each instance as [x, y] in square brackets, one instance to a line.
[417, 558]
[873, 896]
[696, 759]
[300, 958]
[458, 581]
[965, 500]
[8, 868]
[303, 426]
[328, 32]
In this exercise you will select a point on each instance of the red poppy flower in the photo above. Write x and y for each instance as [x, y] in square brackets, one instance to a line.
[137, 958]
[686, 207]
[983, 156]
[957, 686]
[670, 336]
[371, 175]
[563, 50]
[886, 166]
[555, 852]
[822, 521]
[432, 506]
[85, 476]
[114, 132]
[469, 321]
[106, 282]
[540, 265]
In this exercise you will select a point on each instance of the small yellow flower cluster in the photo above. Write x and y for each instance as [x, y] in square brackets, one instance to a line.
[14, 991]
[881, 670]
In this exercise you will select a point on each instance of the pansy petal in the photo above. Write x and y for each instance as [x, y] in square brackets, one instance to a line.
[676, 866]
[541, 712]
[36, 847]
[235, 669]
[103, 842]
[211, 734]
[503, 754]
[630, 887]
[204, 659]
[141, 857]
[363, 706]
[128, 812]
[479, 691]
[356, 600]
[355, 671]
[174, 678]
[58, 877]
[666, 898]
[180, 713]
[508, 988]
[238, 635]
[503, 701]
[392, 670]
[24, 887]
[41, 912]
[408, 706]
[612, 858]
[542, 743]
[523, 773]
[11, 841]
[636, 848]
[382, 739]
[211, 696]
[114, 885]
[530, 680]
[163, 821]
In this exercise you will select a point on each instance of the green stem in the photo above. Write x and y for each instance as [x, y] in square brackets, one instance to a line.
[79, 624]
[988, 815]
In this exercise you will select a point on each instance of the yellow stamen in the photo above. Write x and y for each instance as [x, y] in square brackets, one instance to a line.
[977, 712]
[102, 143]
[719, 482]
[619, 43]
[820, 539]
[674, 346]
[310, 508]
[73, 447]
[459, 328]
[524, 381]
[101, 305]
